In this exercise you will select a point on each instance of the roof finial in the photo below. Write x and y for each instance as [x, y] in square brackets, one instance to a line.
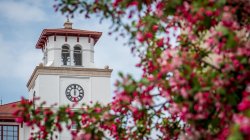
[68, 24]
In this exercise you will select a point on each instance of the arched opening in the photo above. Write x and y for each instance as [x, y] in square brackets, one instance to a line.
[65, 55]
[77, 56]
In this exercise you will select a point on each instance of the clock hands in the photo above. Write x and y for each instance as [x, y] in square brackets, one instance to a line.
[75, 91]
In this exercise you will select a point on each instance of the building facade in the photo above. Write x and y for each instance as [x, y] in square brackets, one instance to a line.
[68, 73]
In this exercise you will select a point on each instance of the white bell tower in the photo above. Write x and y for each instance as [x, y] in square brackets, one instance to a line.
[68, 73]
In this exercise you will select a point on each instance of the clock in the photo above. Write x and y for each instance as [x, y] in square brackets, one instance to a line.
[74, 93]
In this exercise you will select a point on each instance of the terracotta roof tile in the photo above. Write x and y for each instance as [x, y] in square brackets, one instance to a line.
[7, 110]
[66, 32]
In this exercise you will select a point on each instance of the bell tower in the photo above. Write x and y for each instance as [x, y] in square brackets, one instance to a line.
[68, 73]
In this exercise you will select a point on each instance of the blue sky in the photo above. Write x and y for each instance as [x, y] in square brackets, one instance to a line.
[21, 23]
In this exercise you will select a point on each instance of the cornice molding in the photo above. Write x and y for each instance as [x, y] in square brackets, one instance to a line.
[67, 71]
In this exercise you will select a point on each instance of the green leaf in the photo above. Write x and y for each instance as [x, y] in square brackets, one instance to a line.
[247, 113]
[144, 81]
[130, 88]
[220, 3]
[158, 51]
[235, 135]
[120, 74]
[230, 41]
[233, 99]
[149, 54]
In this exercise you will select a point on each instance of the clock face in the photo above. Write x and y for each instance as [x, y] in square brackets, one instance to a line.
[74, 92]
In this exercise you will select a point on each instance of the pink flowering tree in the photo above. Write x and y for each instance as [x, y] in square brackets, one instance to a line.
[195, 57]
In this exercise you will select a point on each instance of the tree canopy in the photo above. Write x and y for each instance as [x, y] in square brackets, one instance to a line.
[195, 57]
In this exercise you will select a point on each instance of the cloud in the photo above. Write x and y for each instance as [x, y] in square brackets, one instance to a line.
[18, 57]
[22, 12]
[16, 62]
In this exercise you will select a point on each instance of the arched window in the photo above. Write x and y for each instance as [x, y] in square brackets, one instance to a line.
[65, 55]
[77, 56]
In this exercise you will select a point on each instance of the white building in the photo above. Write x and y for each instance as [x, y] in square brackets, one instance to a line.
[67, 75]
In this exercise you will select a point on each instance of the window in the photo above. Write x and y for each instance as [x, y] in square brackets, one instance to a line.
[77, 56]
[65, 55]
[9, 132]
[73, 126]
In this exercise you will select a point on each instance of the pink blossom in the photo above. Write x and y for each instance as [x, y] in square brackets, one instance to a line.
[155, 28]
[98, 110]
[140, 37]
[149, 35]
[209, 13]
[244, 104]
[224, 133]
[243, 122]
[227, 19]
[133, 3]
[160, 42]
[159, 9]
[116, 2]
[184, 93]
[19, 119]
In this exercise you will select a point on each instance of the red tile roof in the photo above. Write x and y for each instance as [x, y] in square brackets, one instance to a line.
[7, 110]
[66, 32]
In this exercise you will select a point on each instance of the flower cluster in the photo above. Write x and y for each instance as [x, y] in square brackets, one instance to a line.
[195, 58]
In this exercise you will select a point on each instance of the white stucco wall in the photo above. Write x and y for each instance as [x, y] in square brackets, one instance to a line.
[101, 89]
[51, 88]
[53, 50]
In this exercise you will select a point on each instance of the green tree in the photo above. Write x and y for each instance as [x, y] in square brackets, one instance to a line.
[195, 57]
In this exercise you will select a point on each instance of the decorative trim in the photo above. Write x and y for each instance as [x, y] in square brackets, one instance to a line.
[66, 32]
[63, 71]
